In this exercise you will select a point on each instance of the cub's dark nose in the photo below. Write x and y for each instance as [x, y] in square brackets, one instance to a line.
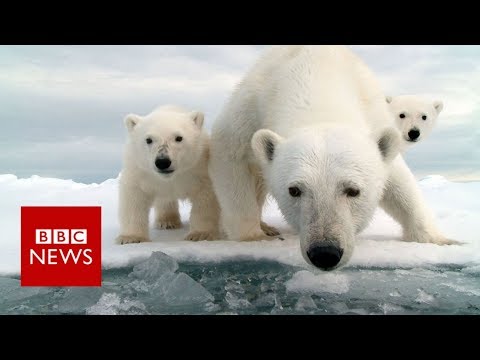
[413, 134]
[163, 163]
[324, 257]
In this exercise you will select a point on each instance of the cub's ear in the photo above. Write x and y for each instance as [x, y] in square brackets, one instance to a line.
[388, 99]
[132, 120]
[438, 105]
[264, 145]
[389, 144]
[197, 118]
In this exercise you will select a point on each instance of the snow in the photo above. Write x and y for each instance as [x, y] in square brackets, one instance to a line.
[455, 205]
[172, 276]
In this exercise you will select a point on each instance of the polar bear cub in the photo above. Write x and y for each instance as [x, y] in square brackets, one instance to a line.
[166, 160]
[415, 117]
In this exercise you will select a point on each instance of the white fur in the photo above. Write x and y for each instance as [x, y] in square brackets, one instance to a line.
[143, 186]
[414, 107]
[326, 116]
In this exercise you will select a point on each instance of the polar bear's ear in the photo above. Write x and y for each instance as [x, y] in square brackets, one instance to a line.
[131, 120]
[264, 144]
[197, 118]
[388, 99]
[438, 105]
[389, 144]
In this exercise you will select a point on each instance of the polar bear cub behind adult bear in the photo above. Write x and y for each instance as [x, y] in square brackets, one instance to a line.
[311, 125]
[165, 159]
[415, 117]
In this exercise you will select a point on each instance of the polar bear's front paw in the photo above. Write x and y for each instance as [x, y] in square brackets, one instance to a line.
[432, 239]
[168, 223]
[200, 235]
[444, 241]
[127, 239]
[259, 236]
[269, 230]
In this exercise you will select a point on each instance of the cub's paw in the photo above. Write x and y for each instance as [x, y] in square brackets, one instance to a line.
[168, 223]
[201, 235]
[269, 230]
[127, 239]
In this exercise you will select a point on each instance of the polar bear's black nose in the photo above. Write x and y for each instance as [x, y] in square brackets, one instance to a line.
[163, 163]
[413, 134]
[324, 257]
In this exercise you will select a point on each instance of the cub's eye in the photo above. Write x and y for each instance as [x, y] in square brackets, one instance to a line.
[402, 116]
[148, 141]
[178, 139]
[424, 117]
[294, 191]
[351, 192]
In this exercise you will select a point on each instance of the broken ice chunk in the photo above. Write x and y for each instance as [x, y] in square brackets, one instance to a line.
[305, 303]
[235, 302]
[11, 291]
[111, 304]
[181, 290]
[76, 300]
[154, 267]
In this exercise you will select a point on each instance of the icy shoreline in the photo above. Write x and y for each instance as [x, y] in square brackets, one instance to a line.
[455, 205]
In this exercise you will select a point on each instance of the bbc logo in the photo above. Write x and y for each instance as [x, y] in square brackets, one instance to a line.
[61, 246]
[61, 236]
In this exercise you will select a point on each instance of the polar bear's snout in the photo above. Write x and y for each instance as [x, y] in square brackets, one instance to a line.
[327, 235]
[413, 135]
[163, 164]
[325, 257]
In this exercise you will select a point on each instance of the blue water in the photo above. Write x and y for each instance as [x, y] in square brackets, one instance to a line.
[252, 287]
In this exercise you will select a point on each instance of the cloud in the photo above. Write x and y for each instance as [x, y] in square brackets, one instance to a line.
[61, 107]
[448, 73]
[452, 151]
[85, 159]
[126, 72]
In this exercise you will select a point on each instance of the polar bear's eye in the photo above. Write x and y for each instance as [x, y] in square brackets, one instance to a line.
[424, 117]
[178, 139]
[148, 141]
[351, 192]
[294, 191]
[402, 116]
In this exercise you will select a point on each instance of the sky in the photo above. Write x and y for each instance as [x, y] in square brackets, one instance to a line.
[62, 107]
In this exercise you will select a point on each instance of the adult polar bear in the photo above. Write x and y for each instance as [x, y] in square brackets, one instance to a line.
[310, 124]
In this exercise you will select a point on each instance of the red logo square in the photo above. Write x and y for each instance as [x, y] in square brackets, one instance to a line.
[61, 246]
